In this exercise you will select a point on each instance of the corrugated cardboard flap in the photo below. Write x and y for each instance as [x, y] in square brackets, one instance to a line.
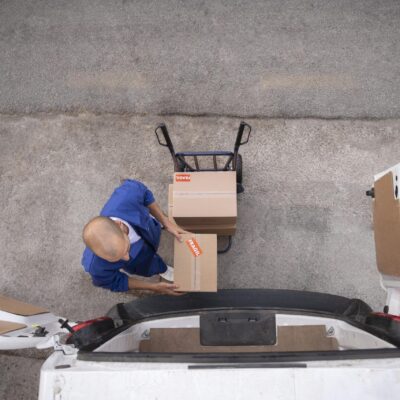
[387, 226]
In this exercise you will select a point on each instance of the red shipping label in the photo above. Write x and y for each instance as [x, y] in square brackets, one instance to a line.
[182, 178]
[194, 247]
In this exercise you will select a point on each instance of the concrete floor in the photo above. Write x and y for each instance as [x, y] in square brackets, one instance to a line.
[276, 58]
[19, 377]
[304, 219]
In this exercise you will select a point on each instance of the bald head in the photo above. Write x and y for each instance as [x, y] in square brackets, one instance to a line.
[105, 238]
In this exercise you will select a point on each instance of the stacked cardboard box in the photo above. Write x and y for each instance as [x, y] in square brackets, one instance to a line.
[204, 202]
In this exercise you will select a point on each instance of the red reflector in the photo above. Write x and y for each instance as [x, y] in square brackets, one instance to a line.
[84, 324]
[389, 316]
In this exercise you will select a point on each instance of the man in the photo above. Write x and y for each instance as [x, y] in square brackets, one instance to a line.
[125, 237]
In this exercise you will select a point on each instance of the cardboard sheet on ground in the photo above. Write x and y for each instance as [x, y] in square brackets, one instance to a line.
[13, 306]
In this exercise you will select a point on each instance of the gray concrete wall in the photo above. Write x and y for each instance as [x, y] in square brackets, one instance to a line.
[277, 58]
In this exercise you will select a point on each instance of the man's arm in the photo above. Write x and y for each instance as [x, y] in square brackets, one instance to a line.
[171, 227]
[117, 281]
[159, 287]
[155, 210]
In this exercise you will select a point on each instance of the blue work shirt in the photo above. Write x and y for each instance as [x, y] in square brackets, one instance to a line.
[129, 202]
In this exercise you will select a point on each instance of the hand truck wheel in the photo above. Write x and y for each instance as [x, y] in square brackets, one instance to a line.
[227, 247]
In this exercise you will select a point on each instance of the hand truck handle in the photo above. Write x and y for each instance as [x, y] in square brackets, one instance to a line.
[239, 142]
[165, 133]
[239, 136]
[167, 143]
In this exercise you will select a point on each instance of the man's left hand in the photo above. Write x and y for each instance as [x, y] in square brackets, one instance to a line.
[174, 229]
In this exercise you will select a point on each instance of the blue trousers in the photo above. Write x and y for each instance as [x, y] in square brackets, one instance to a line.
[157, 266]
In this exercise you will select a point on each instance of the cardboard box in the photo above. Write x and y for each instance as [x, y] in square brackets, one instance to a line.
[195, 263]
[170, 202]
[225, 230]
[204, 198]
[387, 224]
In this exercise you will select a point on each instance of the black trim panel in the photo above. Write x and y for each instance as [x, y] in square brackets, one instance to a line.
[231, 299]
[213, 358]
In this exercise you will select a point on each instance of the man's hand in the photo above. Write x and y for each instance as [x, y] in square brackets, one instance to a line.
[171, 227]
[166, 288]
[174, 229]
[159, 287]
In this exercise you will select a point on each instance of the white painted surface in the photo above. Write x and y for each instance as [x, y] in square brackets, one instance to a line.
[350, 380]
[23, 338]
[395, 171]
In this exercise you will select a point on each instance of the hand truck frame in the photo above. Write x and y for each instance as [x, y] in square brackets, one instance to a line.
[234, 161]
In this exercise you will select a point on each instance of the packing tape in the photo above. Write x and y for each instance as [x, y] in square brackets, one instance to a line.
[196, 252]
[189, 195]
[197, 274]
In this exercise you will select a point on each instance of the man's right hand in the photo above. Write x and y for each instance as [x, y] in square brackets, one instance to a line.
[166, 288]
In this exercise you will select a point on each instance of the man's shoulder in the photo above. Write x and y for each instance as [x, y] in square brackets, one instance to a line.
[87, 259]
[130, 187]
[94, 264]
[126, 202]
[125, 195]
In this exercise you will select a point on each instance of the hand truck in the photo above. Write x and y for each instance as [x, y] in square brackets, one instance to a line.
[233, 160]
